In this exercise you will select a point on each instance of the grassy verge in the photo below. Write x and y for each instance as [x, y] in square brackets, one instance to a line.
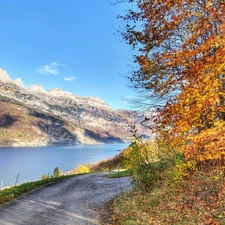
[8, 194]
[168, 190]
[200, 199]
[124, 173]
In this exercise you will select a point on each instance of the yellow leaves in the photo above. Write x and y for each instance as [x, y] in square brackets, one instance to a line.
[81, 169]
[185, 65]
[195, 121]
[208, 144]
[191, 164]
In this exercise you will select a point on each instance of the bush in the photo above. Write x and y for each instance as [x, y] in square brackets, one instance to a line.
[61, 173]
[43, 177]
[82, 169]
[56, 172]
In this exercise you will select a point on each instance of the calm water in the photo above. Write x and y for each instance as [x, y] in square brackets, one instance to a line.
[32, 162]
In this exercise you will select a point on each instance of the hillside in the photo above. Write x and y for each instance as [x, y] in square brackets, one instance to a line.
[35, 117]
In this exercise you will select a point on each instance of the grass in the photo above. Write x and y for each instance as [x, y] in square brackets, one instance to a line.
[8, 194]
[124, 173]
[172, 191]
[198, 199]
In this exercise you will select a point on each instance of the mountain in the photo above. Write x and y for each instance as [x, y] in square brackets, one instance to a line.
[35, 117]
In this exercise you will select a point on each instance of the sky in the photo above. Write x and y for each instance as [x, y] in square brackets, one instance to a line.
[67, 44]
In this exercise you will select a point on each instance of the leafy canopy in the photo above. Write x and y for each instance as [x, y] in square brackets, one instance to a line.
[180, 51]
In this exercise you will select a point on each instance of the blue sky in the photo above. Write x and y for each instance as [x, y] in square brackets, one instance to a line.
[67, 44]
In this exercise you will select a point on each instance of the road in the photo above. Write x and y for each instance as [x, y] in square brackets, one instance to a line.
[71, 201]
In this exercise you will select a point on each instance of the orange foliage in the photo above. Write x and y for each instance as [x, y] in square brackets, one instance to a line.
[181, 55]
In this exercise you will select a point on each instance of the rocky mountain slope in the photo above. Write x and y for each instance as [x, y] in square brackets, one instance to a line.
[35, 117]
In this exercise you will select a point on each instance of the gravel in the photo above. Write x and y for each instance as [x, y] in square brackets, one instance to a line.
[72, 201]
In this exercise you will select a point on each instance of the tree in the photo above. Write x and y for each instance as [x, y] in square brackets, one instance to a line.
[56, 172]
[180, 51]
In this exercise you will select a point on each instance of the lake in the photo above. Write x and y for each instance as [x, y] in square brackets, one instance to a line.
[32, 162]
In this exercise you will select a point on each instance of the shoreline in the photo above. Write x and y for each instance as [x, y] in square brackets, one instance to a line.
[34, 146]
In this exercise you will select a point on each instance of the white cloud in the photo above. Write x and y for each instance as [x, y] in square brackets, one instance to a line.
[55, 64]
[71, 79]
[51, 69]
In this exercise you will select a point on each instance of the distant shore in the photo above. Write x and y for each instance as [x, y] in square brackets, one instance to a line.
[30, 146]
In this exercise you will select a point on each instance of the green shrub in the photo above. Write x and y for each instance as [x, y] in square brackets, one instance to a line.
[56, 172]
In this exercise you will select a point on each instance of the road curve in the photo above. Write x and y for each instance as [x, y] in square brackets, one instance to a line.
[71, 201]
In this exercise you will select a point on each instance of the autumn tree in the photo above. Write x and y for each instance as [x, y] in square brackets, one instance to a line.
[179, 46]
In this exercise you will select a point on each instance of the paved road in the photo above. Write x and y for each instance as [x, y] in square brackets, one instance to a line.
[72, 201]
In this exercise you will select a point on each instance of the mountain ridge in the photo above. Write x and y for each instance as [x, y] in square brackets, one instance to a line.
[56, 117]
